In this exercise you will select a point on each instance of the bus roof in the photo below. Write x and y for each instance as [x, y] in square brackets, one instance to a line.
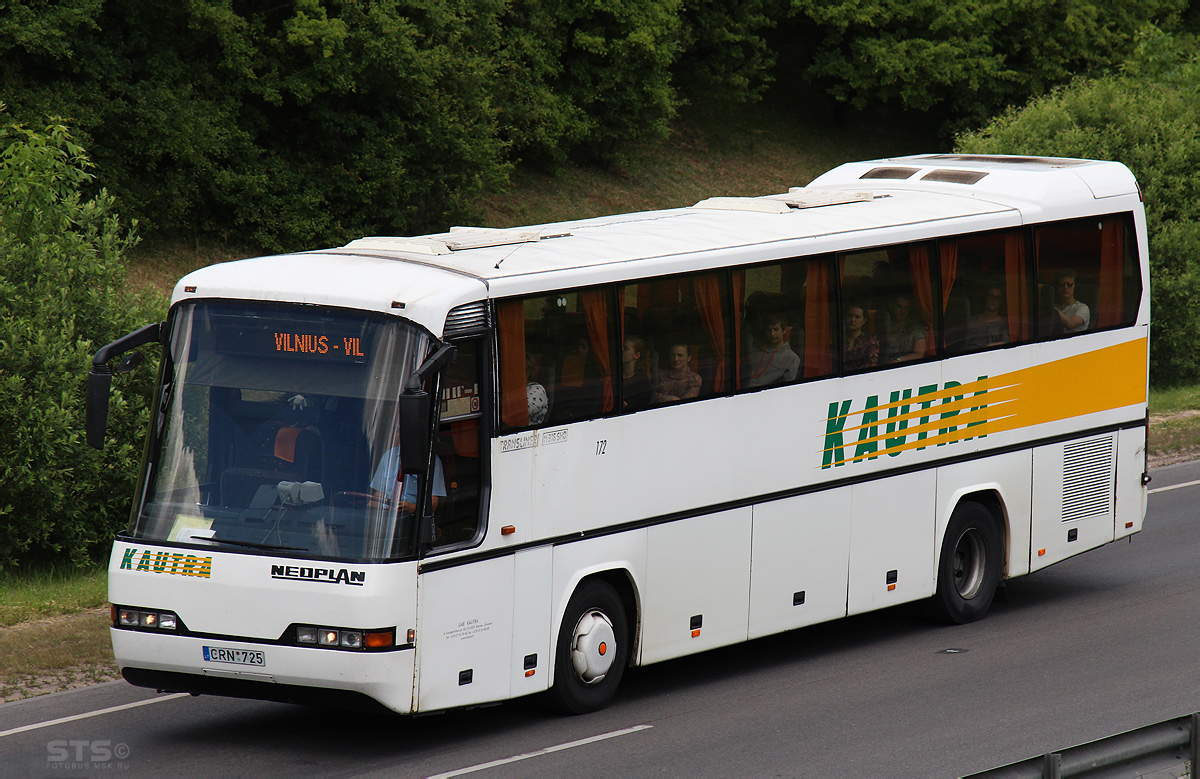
[858, 204]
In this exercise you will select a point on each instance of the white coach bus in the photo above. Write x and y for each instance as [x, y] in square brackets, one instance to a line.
[654, 434]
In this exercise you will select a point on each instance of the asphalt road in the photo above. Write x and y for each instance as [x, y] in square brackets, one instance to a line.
[1097, 645]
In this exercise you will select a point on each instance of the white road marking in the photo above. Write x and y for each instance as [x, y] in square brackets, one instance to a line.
[1173, 487]
[538, 753]
[86, 715]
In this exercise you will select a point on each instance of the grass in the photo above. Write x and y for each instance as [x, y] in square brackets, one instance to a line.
[1175, 422]
[44, 594]
[55, 634]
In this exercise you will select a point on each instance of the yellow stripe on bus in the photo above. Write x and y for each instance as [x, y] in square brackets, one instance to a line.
[1101, 380]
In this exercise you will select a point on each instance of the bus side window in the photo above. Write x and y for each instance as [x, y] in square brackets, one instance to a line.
[1086, 269]
[986, 291]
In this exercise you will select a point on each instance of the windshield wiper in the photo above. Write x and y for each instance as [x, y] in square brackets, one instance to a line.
[253, 545]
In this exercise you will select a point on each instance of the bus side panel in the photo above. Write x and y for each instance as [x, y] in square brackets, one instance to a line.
[464, 634]
[1074, 483]
[697, 573]
[532, 633]
[1131, 493]
[800, 561]
[892, 546]
[621, 552]
[1010, 476]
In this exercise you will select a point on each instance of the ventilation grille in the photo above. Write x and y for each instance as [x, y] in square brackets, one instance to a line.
[889, 173]
[954, 176]
[1087, 478]
[467, 319]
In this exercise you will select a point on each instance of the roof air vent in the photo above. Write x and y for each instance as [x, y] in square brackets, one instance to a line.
[458, 239]
[889, 173]
[954, 176]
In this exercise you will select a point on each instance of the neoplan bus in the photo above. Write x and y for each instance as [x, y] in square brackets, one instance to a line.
[439, 471]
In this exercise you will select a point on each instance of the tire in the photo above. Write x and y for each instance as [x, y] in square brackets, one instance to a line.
[970, 567]
[592, 649]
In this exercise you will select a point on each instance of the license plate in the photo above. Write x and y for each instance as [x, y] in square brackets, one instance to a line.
[220, 654]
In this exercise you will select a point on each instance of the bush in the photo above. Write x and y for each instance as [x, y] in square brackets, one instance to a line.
[964, 58]
[1148, 117]
[61, 296]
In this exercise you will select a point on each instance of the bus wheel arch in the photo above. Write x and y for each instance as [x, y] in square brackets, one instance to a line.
[594, 643]
[971, 564]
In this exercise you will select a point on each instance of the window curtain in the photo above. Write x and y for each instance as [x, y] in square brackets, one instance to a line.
[595, 314]
[739, 298]
[1016, 274]
[510, 321]
[818, 310]
[1112, 277]
[948, 257]
[707, 289]
[918, 266]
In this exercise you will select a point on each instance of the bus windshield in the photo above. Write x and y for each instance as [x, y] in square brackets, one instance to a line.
[277, 427]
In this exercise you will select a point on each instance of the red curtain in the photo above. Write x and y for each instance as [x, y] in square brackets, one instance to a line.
[1112, 276]
[948, 255]
[595, 314]
[510, 321]
[707, 289]
[818, 310]
[739, 298]
[1016, 274]
[918, 265]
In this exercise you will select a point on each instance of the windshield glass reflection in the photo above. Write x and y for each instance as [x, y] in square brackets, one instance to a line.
[275, 420]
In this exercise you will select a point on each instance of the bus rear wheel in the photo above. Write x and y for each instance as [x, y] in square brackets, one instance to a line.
[592, 650]
[969, 570]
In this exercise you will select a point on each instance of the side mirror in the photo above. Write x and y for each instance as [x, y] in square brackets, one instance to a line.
[100, 378]
[96, 405]
[415, 408]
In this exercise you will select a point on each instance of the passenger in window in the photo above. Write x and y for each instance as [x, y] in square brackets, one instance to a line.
[635, 375]
[678, 382]
[772, 361]
[860, 348]
[535, 394]
[906, 337]
[1073, 313]
[990, 328]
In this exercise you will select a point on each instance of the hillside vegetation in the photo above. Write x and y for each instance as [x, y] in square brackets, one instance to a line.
[225, 130]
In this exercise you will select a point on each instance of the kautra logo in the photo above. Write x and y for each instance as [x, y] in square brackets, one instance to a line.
[910, 420]
[153, 561]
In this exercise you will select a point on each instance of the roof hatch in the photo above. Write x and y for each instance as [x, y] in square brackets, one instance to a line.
[458, 239]
[796, 197]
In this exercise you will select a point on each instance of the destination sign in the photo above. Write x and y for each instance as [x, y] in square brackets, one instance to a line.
[319, 344]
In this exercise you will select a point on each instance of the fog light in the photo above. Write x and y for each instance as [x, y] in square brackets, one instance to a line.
[306, 635]
[352, 639]
[166, 620]
[128, 617]
[149, 619]
[328, 637]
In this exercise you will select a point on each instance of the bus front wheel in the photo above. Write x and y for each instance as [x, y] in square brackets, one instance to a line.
[592, 650]
[969, 570]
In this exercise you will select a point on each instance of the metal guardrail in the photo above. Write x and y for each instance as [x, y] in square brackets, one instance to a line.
[1154, 748]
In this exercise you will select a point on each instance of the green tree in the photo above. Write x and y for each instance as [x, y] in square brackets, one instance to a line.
[1147, 117]
[965, 58]
[61, 296]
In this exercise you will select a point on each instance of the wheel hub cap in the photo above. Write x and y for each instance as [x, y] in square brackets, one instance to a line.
[591, 647]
